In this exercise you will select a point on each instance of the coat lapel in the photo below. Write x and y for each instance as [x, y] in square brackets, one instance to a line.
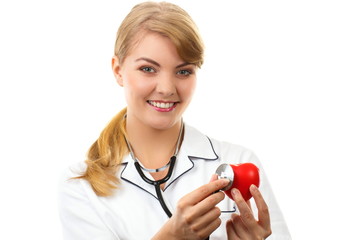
[195, 146]
[130, 175]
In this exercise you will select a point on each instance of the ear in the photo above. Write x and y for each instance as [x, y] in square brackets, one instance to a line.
[116, 68]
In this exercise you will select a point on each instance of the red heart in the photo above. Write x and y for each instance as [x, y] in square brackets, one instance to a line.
[245, 174]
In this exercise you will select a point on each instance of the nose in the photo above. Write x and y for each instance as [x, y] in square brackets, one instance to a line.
[166, 85]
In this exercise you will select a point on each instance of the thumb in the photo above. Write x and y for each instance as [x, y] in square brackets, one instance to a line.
[214, 177]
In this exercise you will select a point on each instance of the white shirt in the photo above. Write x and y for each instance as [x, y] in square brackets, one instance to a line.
[134, 212]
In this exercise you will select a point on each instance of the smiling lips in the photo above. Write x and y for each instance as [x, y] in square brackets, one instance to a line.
[162, 106]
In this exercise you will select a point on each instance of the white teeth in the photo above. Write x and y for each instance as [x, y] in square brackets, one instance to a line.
[161, 104]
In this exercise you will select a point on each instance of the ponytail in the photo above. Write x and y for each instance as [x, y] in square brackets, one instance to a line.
[105, 155]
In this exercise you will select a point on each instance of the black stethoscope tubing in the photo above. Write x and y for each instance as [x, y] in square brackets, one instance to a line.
[157, 183]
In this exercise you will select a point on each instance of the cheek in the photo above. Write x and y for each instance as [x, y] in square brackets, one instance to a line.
[135, 85]
[188, 89]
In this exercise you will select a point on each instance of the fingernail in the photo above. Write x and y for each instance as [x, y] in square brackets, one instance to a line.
[253, 188]
[234, 192]
[226, 181]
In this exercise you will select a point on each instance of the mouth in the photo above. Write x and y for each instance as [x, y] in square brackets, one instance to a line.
[162, 106]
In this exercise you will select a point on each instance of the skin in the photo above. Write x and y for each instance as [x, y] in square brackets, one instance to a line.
[156, 73]
[196, 216]
[244, 225]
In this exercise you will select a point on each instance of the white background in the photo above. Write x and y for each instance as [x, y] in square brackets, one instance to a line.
[274, 80]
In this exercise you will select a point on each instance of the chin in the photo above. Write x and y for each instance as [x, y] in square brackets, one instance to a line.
[164, 124]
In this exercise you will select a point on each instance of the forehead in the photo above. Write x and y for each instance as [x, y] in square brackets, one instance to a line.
[155, 46]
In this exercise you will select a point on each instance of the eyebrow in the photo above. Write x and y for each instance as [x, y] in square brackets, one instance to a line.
[157, 64]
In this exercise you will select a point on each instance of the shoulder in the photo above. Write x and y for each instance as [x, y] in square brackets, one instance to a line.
[226, 151]
[69, 185]
[74, 170]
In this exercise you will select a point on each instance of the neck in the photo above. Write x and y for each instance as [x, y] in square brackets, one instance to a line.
[152, 147]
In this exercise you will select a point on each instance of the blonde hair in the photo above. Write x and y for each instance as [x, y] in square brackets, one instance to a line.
[169, 20]
[166, 19]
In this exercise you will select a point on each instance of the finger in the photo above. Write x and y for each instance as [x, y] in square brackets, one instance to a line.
[249, 204]
[263, 210]
[239, 227]
[214, 177]
[207, 219]
[231, 232]
[246, 213]
[206, 205]
[204, 191]
[210, 228]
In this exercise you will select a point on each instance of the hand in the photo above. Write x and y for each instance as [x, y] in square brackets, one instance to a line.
[196, 215]
[245, 226]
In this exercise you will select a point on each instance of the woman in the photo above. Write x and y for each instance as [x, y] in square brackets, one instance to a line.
[117, 193]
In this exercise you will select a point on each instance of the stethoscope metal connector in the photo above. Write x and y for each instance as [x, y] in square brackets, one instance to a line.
[225, 171]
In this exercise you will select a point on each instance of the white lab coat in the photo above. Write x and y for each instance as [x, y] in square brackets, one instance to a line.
[134, 211]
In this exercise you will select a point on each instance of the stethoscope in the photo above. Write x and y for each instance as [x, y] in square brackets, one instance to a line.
[157, 183]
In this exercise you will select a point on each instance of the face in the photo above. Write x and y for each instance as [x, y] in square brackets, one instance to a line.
[158, 84]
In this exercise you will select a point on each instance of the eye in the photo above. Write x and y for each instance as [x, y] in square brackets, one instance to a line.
[148, 69]
[184, 72]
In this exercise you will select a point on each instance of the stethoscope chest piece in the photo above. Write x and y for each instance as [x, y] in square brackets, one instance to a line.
[241, 176]
[225, 171]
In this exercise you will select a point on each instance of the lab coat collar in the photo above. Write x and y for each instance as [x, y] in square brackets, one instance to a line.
[195, 146]
[130, 175]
